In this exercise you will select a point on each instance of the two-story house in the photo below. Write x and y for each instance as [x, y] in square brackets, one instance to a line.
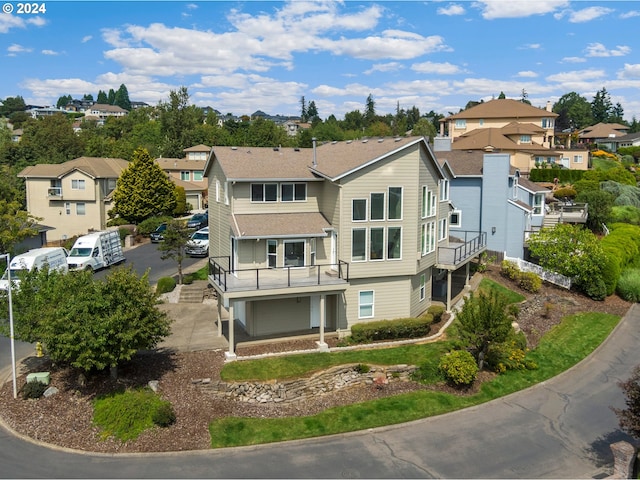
[509, 126]
[346, 232]
[188, 172]
[603, 134]
[72, 197]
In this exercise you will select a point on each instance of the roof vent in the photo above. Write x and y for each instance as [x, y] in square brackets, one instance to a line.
[296, 149]
[276, 149]
[349, 141]
[334, 142]
[397, 139]
[234, 148]
[365, 140]
[380, 140]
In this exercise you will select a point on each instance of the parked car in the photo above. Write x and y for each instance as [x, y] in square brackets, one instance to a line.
[158, 234]
[198, 244]
[198, 221]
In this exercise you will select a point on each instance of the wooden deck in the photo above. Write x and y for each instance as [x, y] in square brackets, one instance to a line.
[461, 248]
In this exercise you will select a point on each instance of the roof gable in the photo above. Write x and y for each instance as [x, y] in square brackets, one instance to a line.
[503, 108]
[95, 167]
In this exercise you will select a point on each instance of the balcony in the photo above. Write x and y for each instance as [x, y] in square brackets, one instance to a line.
[565, 212]
[460, 248]
[264, 279]
[54, 192]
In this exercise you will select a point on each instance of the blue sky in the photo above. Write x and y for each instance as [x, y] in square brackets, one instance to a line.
[239, 57]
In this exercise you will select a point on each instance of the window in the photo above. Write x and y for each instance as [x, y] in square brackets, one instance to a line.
[365, 304]
[428, 202]
[312, 251]
[525, 138]
[444, 190]
[481, 122]
[81, 208]
[197, 176]
[358, 244]
[423, 289]
[394, 243]
[67, 208]
[577, 159]
[217, 190]
[394, 211]
[293, 192]
[428, 237]
[226, 193]
[185, 176]
[547, 123]
[455, 219]
[111, 185]
[294, 253]
[376, 244]
[264, 192]
[442, 229]
[359, 209]
[377, 206]
[461, 123]
[538, 202]
[77, 184]
[272, 253]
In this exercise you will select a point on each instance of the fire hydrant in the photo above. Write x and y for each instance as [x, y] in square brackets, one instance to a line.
[39, 352]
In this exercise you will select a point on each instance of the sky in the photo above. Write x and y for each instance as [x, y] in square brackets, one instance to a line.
[242, 56]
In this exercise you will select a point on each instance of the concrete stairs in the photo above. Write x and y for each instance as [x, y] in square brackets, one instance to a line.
[193, 293]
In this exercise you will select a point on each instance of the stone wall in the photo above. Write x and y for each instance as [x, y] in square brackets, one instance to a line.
[296, 390]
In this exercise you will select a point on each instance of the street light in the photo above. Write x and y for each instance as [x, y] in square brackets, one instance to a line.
[13, 348]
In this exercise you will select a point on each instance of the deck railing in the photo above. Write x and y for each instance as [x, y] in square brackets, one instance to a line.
[472, 243]
[279, 277]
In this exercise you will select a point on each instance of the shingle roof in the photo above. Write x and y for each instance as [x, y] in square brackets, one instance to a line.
[280, 225]
[482, 138]
[170, 164]
[603, 130]
[95, 167]
[502, 108]
[198, 148]
[531, 186]
[466, 163]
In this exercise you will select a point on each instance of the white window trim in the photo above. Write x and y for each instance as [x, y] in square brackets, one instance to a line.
[79, 184]
[360, 304]
[427, 246]
[84, 206]
[459, 224]
[384, 207]
[383, 257]
[577, 159]
[423, 287]
[293, 199]
[387, 244]
[444, 190]
[366, 243]
[188, 175]
[443, 231]
[304, 253]
[366, 210]
[264, 184]
[271, 241]
[401, 204]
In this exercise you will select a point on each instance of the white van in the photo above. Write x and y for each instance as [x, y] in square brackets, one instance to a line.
[95, 251]
[55, 257]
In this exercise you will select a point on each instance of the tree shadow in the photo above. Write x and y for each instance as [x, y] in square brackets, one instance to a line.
[600, 449]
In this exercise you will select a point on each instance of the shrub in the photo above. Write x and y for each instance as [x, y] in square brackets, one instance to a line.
[428, 372]
[509, 355]
[629, 285]
[150, 224]
[391, 329]
[509, 269]
[34, 389]
[529, 281]
[165, 285]
[362, 368]
[436, 311]
[459, 367]
[163, 415]
[565, 192]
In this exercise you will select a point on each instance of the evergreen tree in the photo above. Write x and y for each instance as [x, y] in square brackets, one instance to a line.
[87, 97]
[122, 98]
[102, 98]
[178, 119]
[303, 110]
[502, 96]
[111, 96]
[312, 111]
[63, 101]
[143, 190]
[525, 97]
[176, 237]
[369, 111]
[601, 107]
[12, 104]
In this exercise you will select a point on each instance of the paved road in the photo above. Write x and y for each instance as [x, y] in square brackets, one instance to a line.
[559, 429]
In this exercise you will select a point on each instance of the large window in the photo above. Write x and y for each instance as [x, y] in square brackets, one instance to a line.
[428, 202]
[294, 253]
[365, 304]
[359, 209]
[461, 123]
[81, 209]
[525, 138]
[293, 192]
[395, 203]
[197, 176]
[272, 253]
[264, 192]
[185, 176]
[376, 244]
[394, 243]
[442, 229]
[377, 206]
[444, 190]
[538, 202]
[359, 245]
[77, 184]
[428, 239]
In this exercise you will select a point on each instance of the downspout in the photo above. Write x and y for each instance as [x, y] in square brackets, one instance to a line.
[314, 163]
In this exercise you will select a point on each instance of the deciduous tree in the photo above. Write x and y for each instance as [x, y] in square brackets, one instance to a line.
[176, 237]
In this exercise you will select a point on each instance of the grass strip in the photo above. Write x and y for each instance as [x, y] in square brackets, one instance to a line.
[561, 348]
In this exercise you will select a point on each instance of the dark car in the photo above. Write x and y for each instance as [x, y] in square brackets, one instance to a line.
[198, 221]
[158, 234]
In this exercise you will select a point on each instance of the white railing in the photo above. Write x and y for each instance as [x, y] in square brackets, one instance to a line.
[546, 275]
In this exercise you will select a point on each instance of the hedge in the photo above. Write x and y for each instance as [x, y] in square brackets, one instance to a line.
[401, 328]
[563, 175]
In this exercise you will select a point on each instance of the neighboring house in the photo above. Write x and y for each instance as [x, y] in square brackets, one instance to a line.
[629, 140]
[188, 173]
[515, 128]
[347, 232]
[35, 241]
[16, 135]
[293, 127]
[41, 112]
[72, 197]
[603, 134]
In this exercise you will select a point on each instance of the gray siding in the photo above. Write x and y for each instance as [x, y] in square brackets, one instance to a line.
[495, 193]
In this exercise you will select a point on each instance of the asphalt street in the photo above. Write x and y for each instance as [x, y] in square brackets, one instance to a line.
[561, 428]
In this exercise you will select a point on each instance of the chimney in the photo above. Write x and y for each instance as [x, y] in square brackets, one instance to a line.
[549, 107]
[315, 160]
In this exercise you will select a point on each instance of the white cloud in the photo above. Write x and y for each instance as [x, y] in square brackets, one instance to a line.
[599, 50]
[573, 60]
[453, 9]
[531, 46]
[436, 68]
[384, 67]
[7, 22]
[86, 38]
[492, 9]
[527, 74]
[630, 14]
[588, 14]
[630, 71]
[14, 49]
[577, 75]
[50, 52]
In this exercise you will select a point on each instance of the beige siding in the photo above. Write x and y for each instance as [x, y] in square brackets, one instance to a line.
[279, 316]
[244, 205]
[419, 306]
[219, 214]
[392, 298]
[400, 170]
[475, 123]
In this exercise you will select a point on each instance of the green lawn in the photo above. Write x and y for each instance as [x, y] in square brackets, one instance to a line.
[561, 348]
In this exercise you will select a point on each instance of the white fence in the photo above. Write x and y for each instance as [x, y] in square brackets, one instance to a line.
[547, 276]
